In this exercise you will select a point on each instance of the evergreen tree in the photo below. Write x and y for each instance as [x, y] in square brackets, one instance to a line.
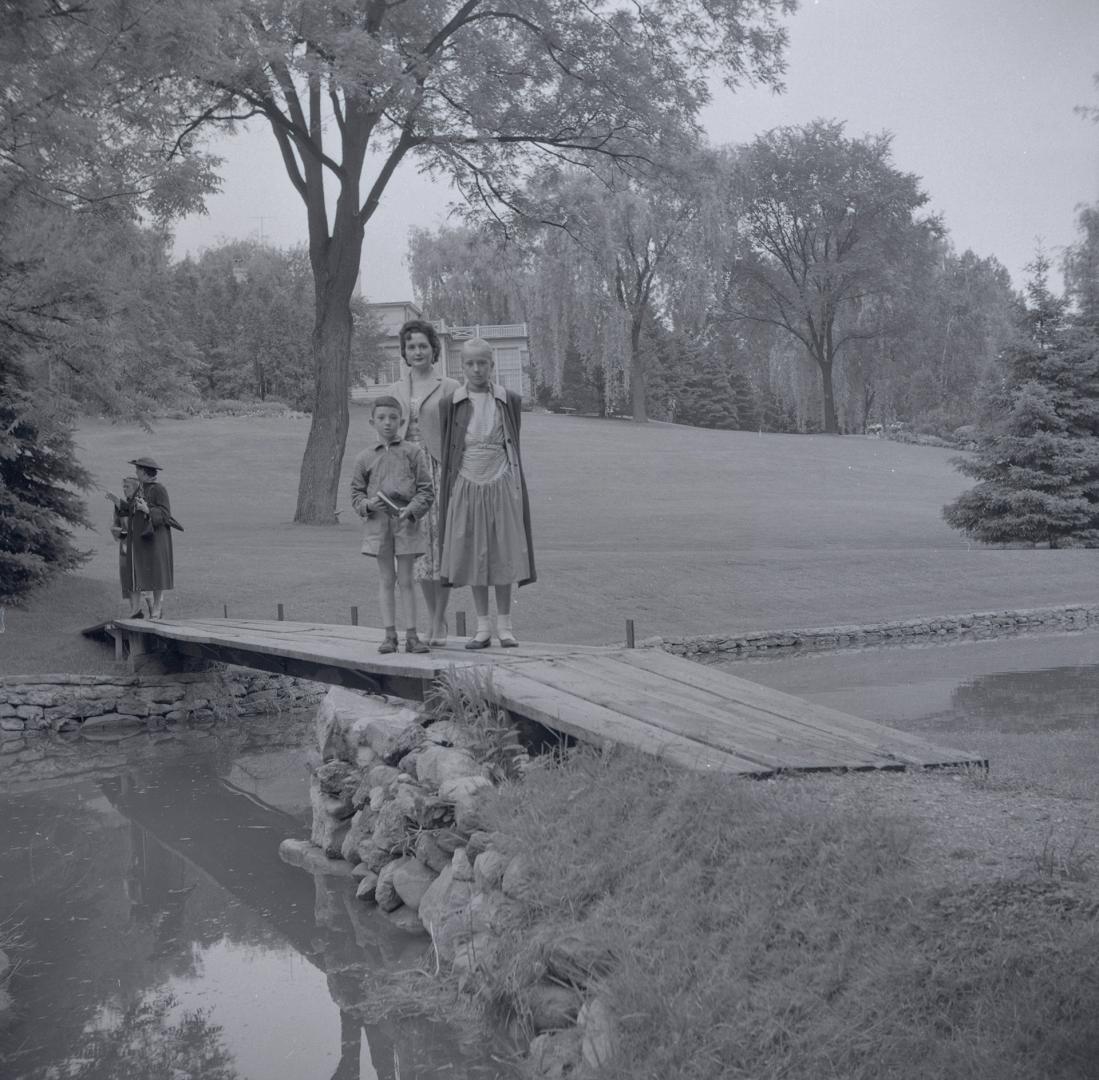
[747, 408]
[1037, 460]
[38, 472]
[774, 415]
[709, 397]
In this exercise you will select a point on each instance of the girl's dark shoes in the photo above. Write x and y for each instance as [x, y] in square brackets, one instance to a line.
[478, 642]
[508, 640]
[389, 644]
[413, 644]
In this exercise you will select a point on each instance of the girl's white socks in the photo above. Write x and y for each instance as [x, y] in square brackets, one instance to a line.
[503, 628]
[484, 628]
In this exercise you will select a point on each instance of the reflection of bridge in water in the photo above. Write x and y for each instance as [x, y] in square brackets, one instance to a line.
[684, 712]
[186, 817]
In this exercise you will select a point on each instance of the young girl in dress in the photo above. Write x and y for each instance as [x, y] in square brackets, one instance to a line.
[484, 511]
[421, 391]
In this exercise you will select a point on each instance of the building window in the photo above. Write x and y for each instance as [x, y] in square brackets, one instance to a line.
[389, 370]
[509, 368]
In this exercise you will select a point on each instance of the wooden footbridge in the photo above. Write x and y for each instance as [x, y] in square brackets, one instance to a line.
[685, 712]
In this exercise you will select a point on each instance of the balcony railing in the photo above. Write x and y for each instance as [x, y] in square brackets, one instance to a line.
[504, 330]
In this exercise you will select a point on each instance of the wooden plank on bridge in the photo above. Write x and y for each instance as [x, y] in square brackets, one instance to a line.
[675, 709]
[908, 749]
[767, 739]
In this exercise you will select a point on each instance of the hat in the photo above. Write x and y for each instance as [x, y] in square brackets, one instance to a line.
[144, 463]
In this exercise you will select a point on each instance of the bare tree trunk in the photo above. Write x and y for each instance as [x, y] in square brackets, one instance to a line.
[831, 420]
[335, 278]
[638, 384]
[869, 394]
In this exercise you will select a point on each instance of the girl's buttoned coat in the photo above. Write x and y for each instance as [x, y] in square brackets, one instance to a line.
[454, 414]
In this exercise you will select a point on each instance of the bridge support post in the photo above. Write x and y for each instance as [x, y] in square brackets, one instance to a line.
[148, 654]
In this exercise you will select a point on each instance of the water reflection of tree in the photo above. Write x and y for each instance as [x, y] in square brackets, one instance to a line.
[157, 887]
[145, 1042]
[1020, 702]
[119, 884]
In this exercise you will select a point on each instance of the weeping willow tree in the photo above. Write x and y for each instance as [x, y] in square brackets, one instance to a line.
[466, 275]
[589, 259]
[575, 327]
[630, 251]
[478, 275]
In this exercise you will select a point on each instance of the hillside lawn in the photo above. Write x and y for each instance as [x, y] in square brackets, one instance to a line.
[684, 530]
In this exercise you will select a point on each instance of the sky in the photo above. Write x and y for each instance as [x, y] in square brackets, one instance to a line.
[978, 94]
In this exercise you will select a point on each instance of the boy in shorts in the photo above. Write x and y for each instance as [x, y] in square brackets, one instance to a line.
[391, 490]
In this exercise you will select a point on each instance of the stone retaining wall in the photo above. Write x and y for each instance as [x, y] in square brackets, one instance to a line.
[30, 703]
[974, 625]
[396, 811]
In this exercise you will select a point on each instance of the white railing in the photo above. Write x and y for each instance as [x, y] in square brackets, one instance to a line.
[506, 330]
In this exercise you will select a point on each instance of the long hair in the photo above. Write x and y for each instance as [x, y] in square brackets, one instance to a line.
[420, 326]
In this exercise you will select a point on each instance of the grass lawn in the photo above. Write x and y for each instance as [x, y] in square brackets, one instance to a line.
[820, 928]
[683, 530]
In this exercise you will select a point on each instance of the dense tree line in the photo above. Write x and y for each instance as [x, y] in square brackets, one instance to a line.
[790, 285]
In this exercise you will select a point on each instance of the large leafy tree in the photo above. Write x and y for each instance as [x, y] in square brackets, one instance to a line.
[831, 226]
[245, 310]
[87, 142]
[949, 325]
[481, 91]
[1037, 461]
[84, 124]
[248, 312]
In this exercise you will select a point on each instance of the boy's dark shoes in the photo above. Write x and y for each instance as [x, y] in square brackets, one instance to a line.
[389, 644]
[413, 644]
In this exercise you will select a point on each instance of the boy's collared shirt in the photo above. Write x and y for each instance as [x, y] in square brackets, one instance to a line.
[397, 469]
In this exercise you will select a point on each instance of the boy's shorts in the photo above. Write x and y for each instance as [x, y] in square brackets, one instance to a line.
[407, 536]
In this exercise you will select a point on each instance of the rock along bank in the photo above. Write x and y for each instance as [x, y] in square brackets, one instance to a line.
[395, 792]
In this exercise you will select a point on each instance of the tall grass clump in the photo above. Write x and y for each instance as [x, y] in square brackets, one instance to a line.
[466, 697]
[758, 933]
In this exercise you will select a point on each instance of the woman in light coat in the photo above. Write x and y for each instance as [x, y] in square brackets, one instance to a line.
[421, 391]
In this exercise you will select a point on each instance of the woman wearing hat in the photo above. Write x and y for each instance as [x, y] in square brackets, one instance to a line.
[150, 530]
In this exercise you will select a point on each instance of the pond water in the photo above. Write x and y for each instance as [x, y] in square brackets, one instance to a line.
[1045, 682]
[1027, 703]
[165, 938]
